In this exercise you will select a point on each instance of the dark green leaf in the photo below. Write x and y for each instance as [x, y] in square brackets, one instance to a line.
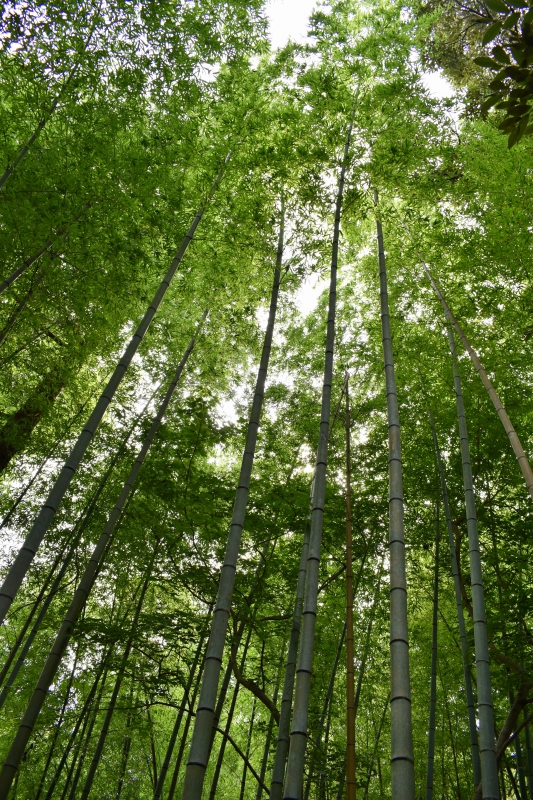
[485, 61]
[501, 55]
[488, 103]
[497, 6]
[491, 32]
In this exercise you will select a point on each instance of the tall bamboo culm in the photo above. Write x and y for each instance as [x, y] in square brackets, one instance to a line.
[201, 738]
[489, 767]
[487, 383]
[433, 683]
[80, 596]
[472, 726]
[402, 766]
[282, 745]
[350, 665]
[48, 511]
[295, 764]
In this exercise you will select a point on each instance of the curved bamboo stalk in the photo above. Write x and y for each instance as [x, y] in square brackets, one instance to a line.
[80, 596]
[48, 511]
[521, 457]
[35, 257]
[489, 767]
[201, 738]
[298, 742]
[472, 727]
[433, 689]
[402, 767]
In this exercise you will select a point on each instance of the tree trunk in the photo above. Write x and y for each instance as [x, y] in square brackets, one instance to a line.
[47, 513]
[298, 741]
[80, 597]
[201, 738]
[402, 768]
[118, 683]
[433, 690]
[126, 745]
[529, 758]
[489, 767]
[15, 433]
[500, 410]
[350, 665]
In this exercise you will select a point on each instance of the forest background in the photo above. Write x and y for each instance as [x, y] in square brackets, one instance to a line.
[130, 111]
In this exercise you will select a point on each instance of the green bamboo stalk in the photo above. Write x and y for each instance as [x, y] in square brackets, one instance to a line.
[201, 738]
[47, 513]
[298, 741]
[185, 733]
[36, 256]
[268, 739]
[402, 765]
[472, 725]
[229, 720]
[350, 663]
[282, 745]
[175, 730]
[433, 689]
[80, 596]
[489, 767]
[374, 752]
[118, 683]
[529, 756]
[248, 746]
[500, 410]
[70, 552]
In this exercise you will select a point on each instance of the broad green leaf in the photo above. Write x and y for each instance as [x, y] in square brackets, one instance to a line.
[492, 32]
[485, 61]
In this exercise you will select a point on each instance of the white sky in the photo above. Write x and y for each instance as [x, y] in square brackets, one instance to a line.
[288, 19]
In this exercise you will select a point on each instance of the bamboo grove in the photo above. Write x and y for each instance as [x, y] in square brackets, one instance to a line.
[266, 423]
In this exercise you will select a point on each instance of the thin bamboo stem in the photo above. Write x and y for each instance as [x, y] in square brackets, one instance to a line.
[489, 767]
[298, 741]
[350, 662]
[433, 688]
[201, 738]
[48, 511]
[80, 596]
[402, 766]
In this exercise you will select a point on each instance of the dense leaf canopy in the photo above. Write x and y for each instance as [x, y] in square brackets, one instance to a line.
[115, 119]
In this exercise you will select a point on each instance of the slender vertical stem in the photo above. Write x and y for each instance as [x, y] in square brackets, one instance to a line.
[175, 730]
[489, 767]
[201, 738]
[229, 720]
[282, 746]
[529, 758]
[248, 746]
[298, 742]
[374, 752]
[350, 665]
[402, 766]
[48, 511]
[500, 410]
[472, 725]
[118, 683]
[81, 594]
[266, 749]
[433, 690]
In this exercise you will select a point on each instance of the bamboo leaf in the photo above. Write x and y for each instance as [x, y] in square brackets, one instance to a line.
[492, 32]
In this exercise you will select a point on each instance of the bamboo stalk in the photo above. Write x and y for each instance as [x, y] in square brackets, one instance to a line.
[47, 513]
[433, 689]
[472, 726]
[80, 596]
[201, 738]
[298, 740]
[521, 457]
[402, 766]
[350, 664]
[489, 767]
